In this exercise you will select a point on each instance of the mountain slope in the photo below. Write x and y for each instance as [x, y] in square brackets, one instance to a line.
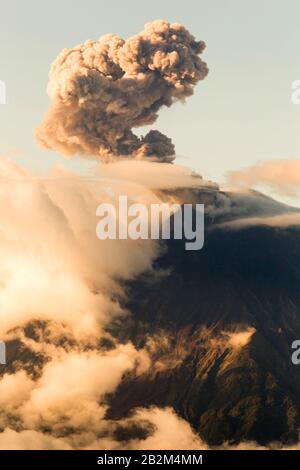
[219, 324]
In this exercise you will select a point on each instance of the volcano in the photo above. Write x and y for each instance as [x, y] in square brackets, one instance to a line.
[219, 324]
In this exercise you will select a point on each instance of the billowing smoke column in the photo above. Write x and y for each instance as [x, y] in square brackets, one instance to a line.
[102, 89]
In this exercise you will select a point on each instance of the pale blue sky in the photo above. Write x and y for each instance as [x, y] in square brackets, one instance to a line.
[240, 115]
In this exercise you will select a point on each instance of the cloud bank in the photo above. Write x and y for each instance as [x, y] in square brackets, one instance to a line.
[282, 176]
[60, 291]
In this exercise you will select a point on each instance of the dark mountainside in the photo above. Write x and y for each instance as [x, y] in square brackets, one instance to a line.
[242, 278]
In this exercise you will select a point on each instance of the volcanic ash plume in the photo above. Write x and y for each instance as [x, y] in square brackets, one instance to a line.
[100, 90]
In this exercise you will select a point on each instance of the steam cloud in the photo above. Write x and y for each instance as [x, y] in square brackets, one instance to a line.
[100, 90]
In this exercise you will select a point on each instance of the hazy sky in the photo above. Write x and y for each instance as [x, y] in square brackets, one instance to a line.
[240, 115]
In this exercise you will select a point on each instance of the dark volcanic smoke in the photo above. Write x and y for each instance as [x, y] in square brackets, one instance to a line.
[101, 90]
